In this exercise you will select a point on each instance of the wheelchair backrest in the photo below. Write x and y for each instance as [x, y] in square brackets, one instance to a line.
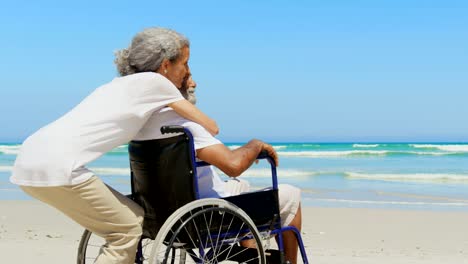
[162, 178]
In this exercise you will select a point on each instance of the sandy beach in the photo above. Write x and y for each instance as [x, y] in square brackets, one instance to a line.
[31, 232]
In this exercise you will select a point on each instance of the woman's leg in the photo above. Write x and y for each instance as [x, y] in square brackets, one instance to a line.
[102, 210]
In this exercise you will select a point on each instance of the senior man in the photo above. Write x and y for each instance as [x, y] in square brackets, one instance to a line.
[232, 162]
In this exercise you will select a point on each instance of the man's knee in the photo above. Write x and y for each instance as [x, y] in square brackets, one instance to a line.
[289, 202]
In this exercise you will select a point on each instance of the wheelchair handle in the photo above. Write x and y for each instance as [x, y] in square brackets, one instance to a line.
[172, 129]
[263, 155]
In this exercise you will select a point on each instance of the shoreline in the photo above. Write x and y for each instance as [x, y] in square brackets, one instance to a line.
[31, 231]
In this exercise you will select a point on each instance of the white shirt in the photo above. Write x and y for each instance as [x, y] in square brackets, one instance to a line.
[110, 116]
[209, 182]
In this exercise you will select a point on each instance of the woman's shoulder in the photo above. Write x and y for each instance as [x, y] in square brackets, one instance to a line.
[140, 79]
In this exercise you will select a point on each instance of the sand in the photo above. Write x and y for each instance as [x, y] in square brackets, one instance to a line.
[31, 232]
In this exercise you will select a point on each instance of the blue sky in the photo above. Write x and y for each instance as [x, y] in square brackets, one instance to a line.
[275, 70]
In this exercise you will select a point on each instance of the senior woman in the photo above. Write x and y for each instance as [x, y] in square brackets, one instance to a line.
[51, 165]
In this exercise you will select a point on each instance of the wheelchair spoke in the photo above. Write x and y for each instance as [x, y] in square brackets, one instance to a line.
[210, 233]
[229, 227]
[232, 246]
[191, 239]
[208, 230]
[237, 253]
[219, 233]
[235, 239]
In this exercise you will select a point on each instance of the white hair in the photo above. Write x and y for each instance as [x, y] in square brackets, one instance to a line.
[189, 95]
[148, 49]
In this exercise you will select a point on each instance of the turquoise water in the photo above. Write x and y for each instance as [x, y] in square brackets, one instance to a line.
[429, 176]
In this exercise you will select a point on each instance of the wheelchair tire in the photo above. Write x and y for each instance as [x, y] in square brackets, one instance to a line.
[208, 231]
[90, 245]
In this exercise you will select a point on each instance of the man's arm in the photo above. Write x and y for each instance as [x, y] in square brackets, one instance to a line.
[234, 162]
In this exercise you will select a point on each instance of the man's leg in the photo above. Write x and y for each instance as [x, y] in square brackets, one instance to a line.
[290, 212]
[103, 211]
[291, 215]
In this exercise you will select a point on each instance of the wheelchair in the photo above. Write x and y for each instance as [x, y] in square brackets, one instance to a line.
[179, 227]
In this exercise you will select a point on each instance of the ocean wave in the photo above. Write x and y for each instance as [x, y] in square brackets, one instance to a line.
[319, 154]
[357, 153]
[10, 149]
[451, 148]
[365, 145]
[465, 203]
[123, 149]
[279, 147]
[311, 145]
[111, 171]
[6, 168]
[266, 173]
[232, 147]
[413, 177]
[98, 171]
[255, 173]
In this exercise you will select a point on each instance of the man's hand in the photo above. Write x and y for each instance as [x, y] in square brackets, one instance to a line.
[271, 151]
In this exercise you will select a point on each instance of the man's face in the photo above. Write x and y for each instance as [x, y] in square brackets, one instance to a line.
[178, 70]
[188, 90]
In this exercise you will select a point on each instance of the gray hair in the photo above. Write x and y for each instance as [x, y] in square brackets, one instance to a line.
[148, 49]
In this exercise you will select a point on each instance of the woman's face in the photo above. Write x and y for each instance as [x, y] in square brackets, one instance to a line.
[178, 71]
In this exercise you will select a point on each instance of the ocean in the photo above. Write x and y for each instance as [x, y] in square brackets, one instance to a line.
[410, 176]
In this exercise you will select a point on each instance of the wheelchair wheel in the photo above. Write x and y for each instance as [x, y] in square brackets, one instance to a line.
[91, 244]
[208, 231]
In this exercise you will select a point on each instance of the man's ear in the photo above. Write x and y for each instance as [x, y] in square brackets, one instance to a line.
[163, 67]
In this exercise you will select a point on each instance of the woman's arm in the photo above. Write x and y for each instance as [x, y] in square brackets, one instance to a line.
[191, 112]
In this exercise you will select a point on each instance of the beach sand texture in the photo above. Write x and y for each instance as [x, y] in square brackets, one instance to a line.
[32, 232]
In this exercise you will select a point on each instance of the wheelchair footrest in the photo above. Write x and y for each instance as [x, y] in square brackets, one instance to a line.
[273, 256]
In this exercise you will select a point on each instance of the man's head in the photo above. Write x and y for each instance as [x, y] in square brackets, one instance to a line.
[188, 90]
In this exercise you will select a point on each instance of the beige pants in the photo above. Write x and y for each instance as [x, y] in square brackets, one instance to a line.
[103, 211]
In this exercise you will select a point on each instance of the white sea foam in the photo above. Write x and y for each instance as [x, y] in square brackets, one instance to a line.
[461, 203]
[412, 177]
[311, 145]
[279, 147]
[428, 153]
[365, 145]
[451, 148]
[6, 168]
[256, 173]
[275, 147]
[321, 154]
[344, 153]
[98, 171]
[234, 147]
[283, 173]
[111, 171]
[10, 149]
